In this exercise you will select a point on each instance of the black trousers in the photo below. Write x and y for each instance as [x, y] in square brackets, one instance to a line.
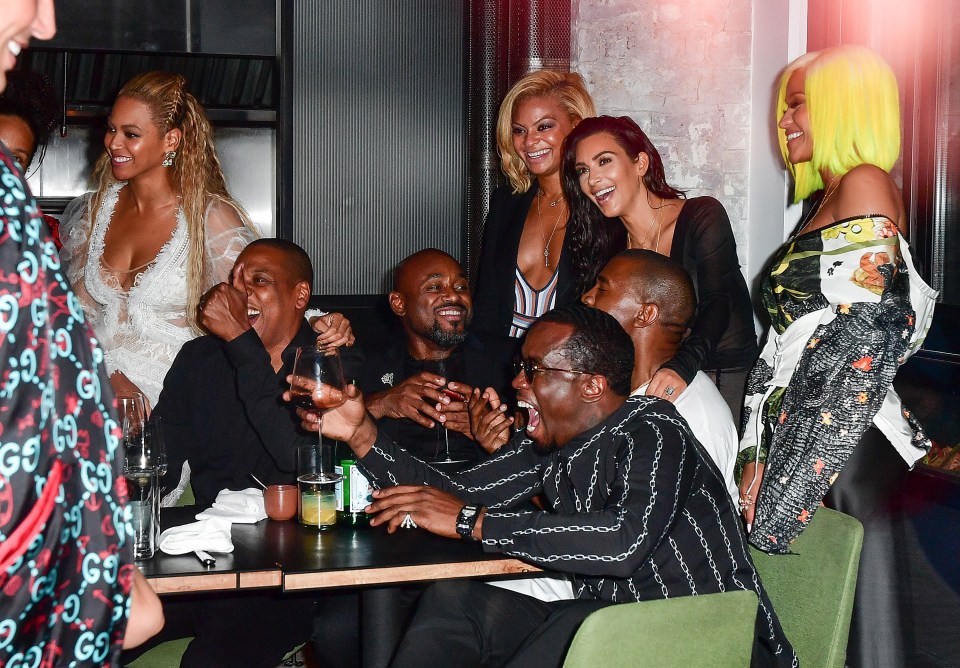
[468, 623]
[250, 630]
[337, 638]
[864, 489]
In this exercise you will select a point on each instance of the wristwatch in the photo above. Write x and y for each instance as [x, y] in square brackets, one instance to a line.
[466, 520]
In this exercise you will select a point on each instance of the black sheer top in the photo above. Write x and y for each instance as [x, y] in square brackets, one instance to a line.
[723, 336]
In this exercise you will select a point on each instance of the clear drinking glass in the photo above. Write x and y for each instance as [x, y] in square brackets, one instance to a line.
[317, 483]
[157, 454]
[140, 470]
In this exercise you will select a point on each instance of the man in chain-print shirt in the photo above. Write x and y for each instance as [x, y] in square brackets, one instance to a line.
[636, 512]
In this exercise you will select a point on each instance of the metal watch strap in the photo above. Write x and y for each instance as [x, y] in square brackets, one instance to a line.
[466, 520]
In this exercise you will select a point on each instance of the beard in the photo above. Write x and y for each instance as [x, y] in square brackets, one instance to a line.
[446, 339]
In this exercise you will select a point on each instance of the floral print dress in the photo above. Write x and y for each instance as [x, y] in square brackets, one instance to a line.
[847, 308]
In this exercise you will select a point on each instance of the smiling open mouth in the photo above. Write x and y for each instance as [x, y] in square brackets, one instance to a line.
[252, 315]
[533, 415]
[604, 194]
[451, 312]
[794, 135]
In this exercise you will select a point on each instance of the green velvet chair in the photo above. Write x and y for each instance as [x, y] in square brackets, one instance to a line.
[812, 589]
[164, 655]
[713, 630]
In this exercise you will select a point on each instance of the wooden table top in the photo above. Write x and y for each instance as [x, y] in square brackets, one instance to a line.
[288, 555]
[241, 569]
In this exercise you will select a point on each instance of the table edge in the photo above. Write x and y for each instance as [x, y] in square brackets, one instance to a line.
[359, 577]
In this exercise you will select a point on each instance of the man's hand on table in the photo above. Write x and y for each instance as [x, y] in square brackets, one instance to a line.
[416, 398]
[223, 308]
[431, 508]
[349, 423]
[489, 424]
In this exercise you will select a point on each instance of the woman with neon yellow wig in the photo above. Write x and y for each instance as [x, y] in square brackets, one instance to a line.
[822, 421]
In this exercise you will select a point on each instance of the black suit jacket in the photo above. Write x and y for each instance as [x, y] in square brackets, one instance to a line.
[494, 291]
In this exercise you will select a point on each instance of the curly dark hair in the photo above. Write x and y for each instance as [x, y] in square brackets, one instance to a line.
[29, 96]
[592, 237]
[598, 345]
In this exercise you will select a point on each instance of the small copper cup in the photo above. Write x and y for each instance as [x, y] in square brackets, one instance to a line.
[280, 501]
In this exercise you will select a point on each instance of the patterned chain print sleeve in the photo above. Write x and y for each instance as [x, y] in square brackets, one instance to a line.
[65, 556]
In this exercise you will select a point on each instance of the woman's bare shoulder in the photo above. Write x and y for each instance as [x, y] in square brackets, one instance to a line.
[867, 190]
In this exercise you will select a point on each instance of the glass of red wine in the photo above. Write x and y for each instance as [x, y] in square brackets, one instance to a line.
[317, 384]
[444, 367]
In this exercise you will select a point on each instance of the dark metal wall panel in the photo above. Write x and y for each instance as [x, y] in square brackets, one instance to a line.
[377, 144]
[507, 39]
[539, 36]
[487, 72]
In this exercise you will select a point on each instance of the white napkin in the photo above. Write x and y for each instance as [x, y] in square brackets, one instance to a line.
[243, 507]
[212, 535]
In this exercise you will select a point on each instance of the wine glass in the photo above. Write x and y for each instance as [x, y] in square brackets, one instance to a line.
[155, 444]
[131, 412]
[317, 384]
[444, 367]
[157, 456]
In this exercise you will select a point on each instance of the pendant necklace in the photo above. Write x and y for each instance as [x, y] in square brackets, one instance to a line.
[646, 239]
[546, 240]
[828, 191]
[831, 188]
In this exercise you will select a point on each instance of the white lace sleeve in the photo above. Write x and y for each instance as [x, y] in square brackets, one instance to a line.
[75, 232]
[226, 237]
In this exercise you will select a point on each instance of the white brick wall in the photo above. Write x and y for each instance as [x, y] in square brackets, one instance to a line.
[682, 70]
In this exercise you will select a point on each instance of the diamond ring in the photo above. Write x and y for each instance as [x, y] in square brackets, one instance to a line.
[408, 522]
[669, 391]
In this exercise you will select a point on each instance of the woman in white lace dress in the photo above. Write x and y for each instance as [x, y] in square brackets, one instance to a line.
[158, 232]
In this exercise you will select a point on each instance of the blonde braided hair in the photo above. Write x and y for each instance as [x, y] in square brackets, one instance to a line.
[196, 169]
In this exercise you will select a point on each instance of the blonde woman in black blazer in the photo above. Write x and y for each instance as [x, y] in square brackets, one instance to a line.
[524, 266]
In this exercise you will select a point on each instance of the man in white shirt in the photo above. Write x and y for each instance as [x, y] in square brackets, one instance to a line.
[653, 298]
